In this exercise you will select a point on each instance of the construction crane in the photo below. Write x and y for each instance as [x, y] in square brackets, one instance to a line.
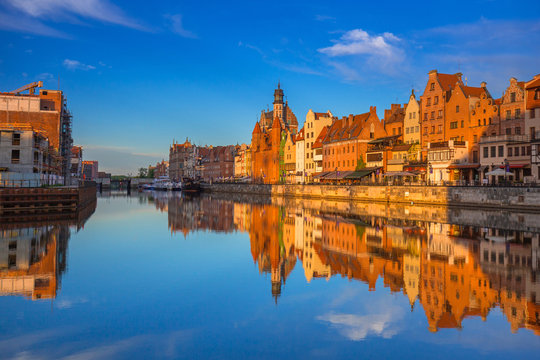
[30, 87]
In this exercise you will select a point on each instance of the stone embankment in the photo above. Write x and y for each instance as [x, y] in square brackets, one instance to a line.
[509, 198]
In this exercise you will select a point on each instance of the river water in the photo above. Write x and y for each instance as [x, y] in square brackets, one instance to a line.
[165, 276]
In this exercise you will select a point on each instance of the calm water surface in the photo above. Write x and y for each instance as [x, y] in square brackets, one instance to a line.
[162, 276]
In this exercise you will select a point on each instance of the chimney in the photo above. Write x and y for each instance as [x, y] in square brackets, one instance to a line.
[350, 120]
[483, 84]
[373, 110]
[458, 75]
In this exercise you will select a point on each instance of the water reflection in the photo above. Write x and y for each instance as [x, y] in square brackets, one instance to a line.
[33, 252]
[452, 271]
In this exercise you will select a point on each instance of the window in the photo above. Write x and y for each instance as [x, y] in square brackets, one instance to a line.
[454, 125]
[516, 151]
[486, 152]
[501, 151]
[518, 130]
[399, 130]
[493, 149]
[484, 122]
[508, 131]
[406, 130]
[462, 123]
[537, 94]
[425, 116]
[417, 129]
[433, 129]
[510, 152]
[513, 97]
[475, 139]
[428, 102]
[15, 156]
[433, 114]
[436, 100]
[532, 113]
[518, 113]
[16, 139]
[479, 122]
[432, 86]
[439, 129]
[425, 130]
[414, 115]
[457, 108]
[532, 131]
[440, 114]
[508, 114]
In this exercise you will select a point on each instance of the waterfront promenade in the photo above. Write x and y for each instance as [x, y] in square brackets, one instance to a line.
[518, 198]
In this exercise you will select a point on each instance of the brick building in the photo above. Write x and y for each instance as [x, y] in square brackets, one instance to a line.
[90, 170]
[346, 143]
[432, 104]
[268, 139]
[218, 164]
[182, 160]
[45, 112]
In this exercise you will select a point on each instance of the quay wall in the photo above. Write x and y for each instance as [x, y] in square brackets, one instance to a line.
[510, 198]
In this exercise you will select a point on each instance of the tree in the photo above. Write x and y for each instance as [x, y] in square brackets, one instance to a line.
[143, 172]
[360, 164]
[151, 173]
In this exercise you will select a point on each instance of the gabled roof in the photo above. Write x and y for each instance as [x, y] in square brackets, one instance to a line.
[533, 84]
[470, 91]
[346, 129]
[397, 117]
[319, 115]
[257, 129]
[448, 81]
[300, 135]
[319, 141]
[276, 124]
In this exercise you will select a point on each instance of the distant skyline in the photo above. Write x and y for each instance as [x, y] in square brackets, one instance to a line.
[138, 75]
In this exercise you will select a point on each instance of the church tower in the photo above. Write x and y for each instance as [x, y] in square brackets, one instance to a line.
[278, 104]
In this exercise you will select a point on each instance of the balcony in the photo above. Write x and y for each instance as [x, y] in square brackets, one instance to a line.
[317, 157]
[504, 138]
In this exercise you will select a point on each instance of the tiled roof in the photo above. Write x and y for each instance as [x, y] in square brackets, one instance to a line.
[319, 115]
[534, 84]
[401, 147]
[472, 91]
[447, 81]
[319, 141]
[341, 130]
[397, 116]
[300, 135]
[257, 129]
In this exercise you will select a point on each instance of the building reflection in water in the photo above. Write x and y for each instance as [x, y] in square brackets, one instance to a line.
[453, 271]
[33, 252]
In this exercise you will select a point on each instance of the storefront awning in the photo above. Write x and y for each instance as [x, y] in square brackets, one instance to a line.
[320, 175]
[464, 166]
[398, 173]
[359, 174]
[515, 166]
[336, 175]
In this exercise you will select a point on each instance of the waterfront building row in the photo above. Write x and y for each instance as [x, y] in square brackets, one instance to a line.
[453, 133]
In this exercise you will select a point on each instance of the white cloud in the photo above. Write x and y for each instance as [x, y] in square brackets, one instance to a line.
[101, 10]
[359, 42]
[176, 26]
[356, 327]
[77, 65]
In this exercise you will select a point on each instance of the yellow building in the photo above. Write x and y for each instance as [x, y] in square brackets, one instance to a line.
[314, 124]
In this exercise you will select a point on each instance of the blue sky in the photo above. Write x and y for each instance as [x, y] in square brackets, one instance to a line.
[139, 74]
